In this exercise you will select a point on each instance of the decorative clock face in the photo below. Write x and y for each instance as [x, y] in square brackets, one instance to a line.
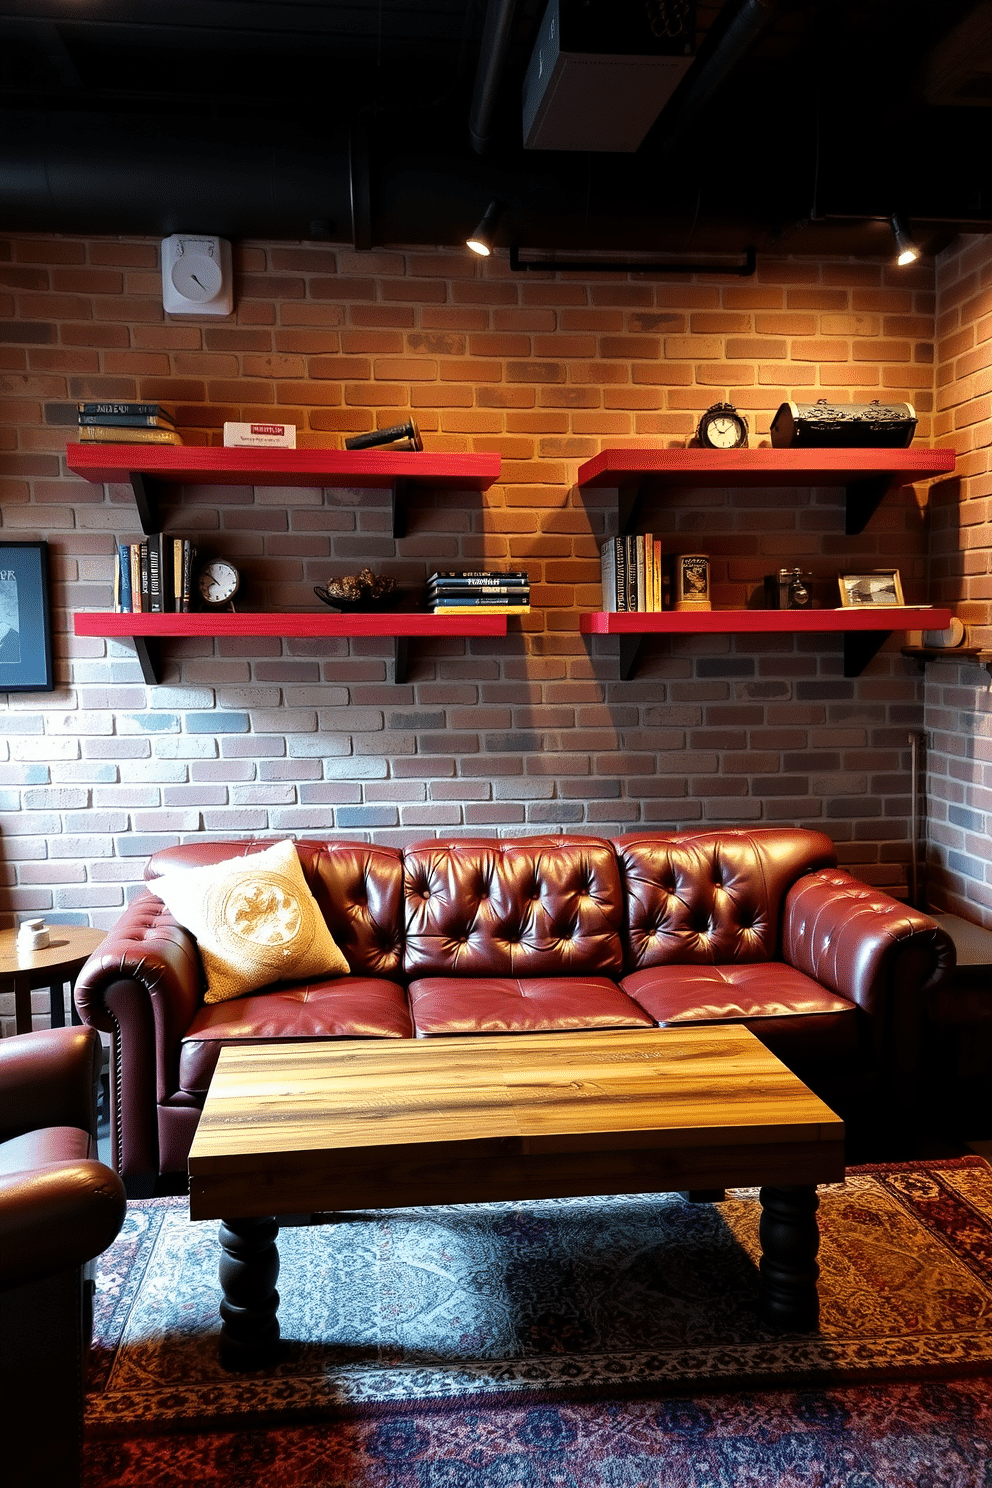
[196, 274]
[722, 427]
[217, 582]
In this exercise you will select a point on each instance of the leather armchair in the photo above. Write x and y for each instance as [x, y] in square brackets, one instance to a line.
[59, 1208]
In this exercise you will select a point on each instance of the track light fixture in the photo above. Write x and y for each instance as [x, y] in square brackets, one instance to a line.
[907, 251]
[483, 239]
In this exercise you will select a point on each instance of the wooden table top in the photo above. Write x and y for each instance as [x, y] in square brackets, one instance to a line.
[67, 944]
[345, 1124]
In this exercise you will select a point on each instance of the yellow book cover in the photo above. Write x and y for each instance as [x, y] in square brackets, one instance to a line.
[111, 434]
[494, 609]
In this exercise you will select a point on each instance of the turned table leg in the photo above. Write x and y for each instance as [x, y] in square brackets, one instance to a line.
[790, 1240]
[249, 1269]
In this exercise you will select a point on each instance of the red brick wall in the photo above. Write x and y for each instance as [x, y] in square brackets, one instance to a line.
[958, 710]
[516, 735]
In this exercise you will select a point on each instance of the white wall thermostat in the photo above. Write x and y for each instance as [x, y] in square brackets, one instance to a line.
[196, 275]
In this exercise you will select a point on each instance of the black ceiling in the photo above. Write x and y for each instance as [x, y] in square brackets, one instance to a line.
[800, 127]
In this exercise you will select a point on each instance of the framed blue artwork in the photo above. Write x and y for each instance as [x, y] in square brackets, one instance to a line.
[25, 625]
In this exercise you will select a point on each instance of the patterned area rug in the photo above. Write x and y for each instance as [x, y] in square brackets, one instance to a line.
[540, 1306]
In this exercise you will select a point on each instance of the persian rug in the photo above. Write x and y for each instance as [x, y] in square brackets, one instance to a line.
[561, 1299]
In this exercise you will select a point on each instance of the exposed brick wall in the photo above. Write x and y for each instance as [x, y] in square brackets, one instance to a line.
[515, 735]
[958, 708]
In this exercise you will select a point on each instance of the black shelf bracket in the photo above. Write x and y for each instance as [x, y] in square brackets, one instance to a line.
[398, 493]
[149, 659]
[401, 658]
[860, 647]
[148, 492]
[630, 655]
[863, 500]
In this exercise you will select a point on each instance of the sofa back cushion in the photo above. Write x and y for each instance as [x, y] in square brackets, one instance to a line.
[712, 896]
[358, 886]
[525, 907]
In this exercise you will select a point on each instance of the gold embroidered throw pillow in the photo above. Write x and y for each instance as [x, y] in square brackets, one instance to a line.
[255, 921]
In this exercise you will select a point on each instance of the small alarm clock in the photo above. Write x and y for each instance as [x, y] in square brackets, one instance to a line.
[722, 428]
[217, 583]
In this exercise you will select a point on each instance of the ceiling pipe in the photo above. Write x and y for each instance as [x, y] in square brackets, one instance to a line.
[495, 44]
[723, 47]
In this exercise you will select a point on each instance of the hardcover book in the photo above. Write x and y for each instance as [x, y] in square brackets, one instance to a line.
[109, 434]
[114, 410]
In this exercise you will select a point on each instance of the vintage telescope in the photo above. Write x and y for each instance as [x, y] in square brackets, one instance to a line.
[399, 436]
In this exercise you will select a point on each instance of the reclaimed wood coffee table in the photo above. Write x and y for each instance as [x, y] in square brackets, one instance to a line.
[316, 1127]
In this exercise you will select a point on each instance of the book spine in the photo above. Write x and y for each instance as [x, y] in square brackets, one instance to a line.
[630, 544]
[189, 555]
[124, 421]
[608, 575]
[482, 609]
[648, 571]
[109, 409]
[145, 577]
[481, 576]
[124, 576]
[620, 570]
[135, 559]
[639, 549]
[448, 591]
[108, 434]
[444, 601]
[656, 550]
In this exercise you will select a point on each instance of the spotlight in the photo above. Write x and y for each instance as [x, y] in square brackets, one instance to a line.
[907, 251]
[482, 240]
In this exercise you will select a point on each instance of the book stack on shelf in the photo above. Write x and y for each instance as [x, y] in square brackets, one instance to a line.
[482, 592]
[631, 572]
[126, 423]
[154, 576]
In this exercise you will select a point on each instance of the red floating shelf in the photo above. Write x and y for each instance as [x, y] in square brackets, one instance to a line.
[146, 629]
[866, 474]
[864, 628]
[211, 465]
[151, 469]
[763, 467]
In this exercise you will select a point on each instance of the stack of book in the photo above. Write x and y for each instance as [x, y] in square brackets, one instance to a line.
[154, 575]
[126, 423]
[631, 572]
[482, 592]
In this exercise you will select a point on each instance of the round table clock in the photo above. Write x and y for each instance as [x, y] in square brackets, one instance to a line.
[217, 584]
[196, 275]
[722, 428]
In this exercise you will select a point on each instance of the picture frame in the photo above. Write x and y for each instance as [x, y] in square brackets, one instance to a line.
[25, 620]
[871, 588]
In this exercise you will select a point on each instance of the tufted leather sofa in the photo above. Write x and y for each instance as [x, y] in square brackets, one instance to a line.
[534, 934]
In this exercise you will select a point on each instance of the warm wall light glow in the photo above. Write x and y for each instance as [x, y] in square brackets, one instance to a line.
[483, 239]
[907, 251]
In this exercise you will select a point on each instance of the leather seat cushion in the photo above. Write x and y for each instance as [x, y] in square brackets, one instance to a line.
[530, 1005]
[792, 1014]
[347, 1007]
[36, 1149]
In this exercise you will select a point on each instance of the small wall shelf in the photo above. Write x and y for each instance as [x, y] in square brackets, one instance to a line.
[153, 469]
[864, 630]
[963, 655]
[147, 630]
[866, 474]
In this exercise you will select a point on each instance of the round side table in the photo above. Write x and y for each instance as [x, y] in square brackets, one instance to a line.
[60, 962]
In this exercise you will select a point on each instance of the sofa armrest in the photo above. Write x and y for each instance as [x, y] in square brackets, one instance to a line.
[143, 986]
[56, 1217]
[871, 949]
[49, 1078]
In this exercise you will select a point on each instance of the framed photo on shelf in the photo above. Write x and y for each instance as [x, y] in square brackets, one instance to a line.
[875, 587]
[25, 623]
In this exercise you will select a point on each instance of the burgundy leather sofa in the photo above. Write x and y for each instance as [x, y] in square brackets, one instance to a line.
[59, 1208]
[535, 934]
